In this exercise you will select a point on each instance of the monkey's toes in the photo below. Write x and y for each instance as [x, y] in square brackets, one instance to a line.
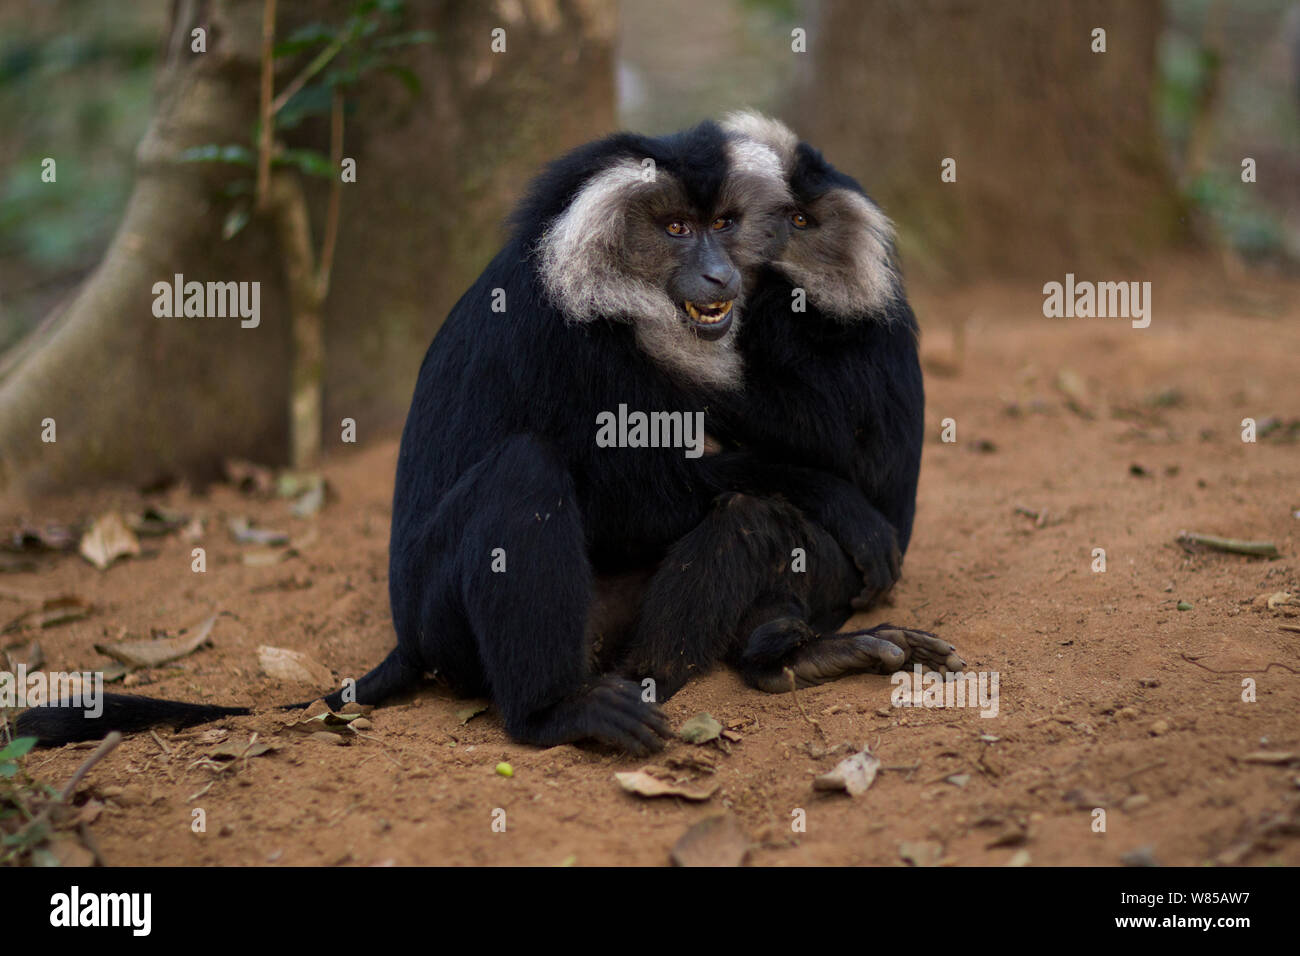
[922, 647]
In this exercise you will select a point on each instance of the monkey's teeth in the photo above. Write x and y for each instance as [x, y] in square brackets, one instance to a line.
[709, 313]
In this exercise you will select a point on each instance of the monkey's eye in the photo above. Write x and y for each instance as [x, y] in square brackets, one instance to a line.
[722, 223]
[799, 220]
[678, 228]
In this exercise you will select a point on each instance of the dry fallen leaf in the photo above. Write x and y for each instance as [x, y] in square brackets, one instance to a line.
[714, 841]
[107, 540]
[51, 611]
[328, 722]
[30, 655]
[284, 664]
[700, 729]
[645, 784]
[157, 653]
[234, 749]
[1280, 599]
[853, 774]
[466, 714]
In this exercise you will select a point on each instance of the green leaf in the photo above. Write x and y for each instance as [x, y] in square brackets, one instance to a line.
[311, 100]
[304, 38]
[404, 39]
[18, 747]
[308, 161]
[211, 153]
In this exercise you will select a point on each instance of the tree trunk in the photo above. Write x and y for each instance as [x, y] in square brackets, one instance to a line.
[136, 398]
[1058, 161]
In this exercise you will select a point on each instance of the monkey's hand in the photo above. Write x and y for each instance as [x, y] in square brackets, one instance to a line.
[873, 546]
[920, 647]
[609, 710]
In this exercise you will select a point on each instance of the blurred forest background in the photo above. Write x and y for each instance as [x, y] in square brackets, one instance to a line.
[1067, 160]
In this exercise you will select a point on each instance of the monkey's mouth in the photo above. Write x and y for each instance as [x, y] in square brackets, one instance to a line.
[710, 320]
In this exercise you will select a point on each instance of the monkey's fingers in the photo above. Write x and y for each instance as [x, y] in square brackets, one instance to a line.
[622, 719]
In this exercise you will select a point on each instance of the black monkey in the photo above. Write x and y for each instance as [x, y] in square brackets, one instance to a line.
[619, 286]
[833, 382]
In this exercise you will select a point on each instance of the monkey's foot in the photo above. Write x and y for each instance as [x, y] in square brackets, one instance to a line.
[918, 647]
[816, 660]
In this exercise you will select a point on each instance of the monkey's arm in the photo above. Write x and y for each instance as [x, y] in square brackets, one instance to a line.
[828, 500]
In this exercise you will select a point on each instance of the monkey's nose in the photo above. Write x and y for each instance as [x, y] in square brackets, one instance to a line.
[727, 280]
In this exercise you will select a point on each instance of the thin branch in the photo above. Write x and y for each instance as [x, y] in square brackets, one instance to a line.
[265, 110]
[326, 263]
[1270, 665]
[107, 747]
[1264, 549]
[794, 692]
[311, 69]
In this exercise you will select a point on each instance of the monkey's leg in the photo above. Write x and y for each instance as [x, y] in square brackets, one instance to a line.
[525, 584]
[740, 552]
[778, 634]
[830, 503]
[788, 644]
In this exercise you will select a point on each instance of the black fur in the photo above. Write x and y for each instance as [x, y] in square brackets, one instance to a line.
[498, 452]
[842, 395]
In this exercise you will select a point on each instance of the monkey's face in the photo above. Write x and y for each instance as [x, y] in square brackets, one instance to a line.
[703, 252]
[840, 252]
[840, 249]
[669, 244]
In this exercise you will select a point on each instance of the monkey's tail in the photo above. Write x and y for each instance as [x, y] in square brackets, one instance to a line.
[63, 723]
[66, 723]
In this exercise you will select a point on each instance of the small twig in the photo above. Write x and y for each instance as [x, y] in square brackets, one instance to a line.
[198, 793]
[1289, 627]
[1262, 549]
[1193, 660]
[103, 750]
[1134, 773]
[159, 741]
[1038, 514]
[798, 703]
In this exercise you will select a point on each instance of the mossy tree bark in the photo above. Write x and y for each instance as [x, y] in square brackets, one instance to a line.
[136, 398]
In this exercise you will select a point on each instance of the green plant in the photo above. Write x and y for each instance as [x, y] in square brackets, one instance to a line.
[342, 55]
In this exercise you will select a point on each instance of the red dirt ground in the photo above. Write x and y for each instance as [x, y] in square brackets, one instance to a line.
[1099, 705]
